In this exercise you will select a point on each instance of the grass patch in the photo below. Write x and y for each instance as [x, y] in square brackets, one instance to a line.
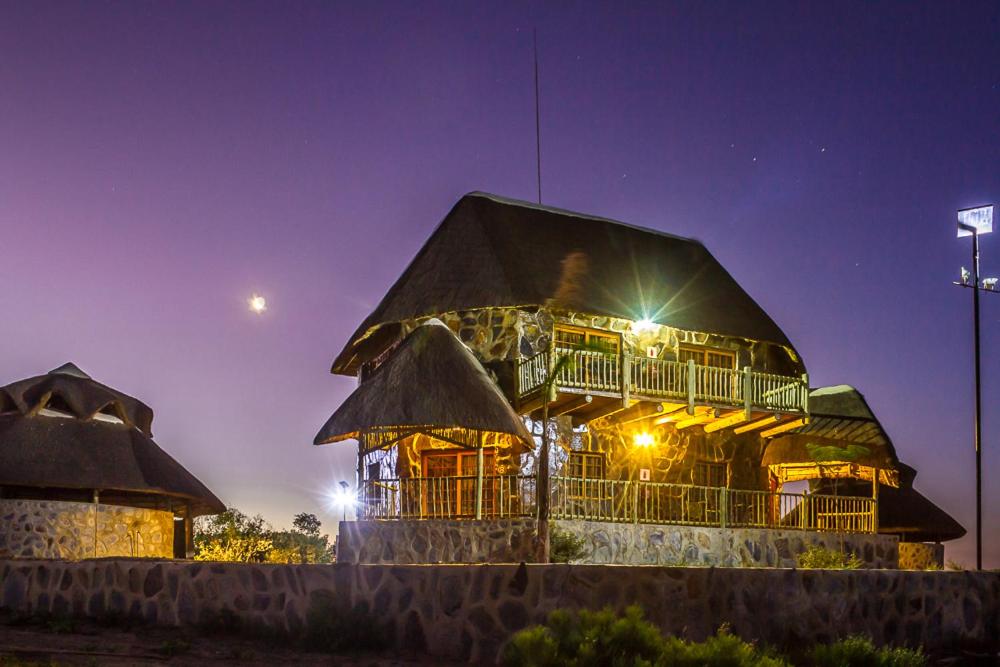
[860, 652]
[821, 558]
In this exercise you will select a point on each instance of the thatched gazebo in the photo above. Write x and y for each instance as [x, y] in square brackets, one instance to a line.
[430, 410]
[80, 475]
[843, 440]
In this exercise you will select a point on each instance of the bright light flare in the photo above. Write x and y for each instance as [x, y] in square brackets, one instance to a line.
[645, 324]
[257, 303]
[643, 439]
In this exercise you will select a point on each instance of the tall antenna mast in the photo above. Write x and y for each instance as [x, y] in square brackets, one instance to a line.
[538, 130]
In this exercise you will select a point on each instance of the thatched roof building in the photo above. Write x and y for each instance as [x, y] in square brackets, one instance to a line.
[431, 384]
[843, 439]
[64, 435]
[494, 252]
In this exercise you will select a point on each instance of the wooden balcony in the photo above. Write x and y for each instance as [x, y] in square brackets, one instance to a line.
[706, 394]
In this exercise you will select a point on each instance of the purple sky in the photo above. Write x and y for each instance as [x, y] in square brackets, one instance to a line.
[159, 162]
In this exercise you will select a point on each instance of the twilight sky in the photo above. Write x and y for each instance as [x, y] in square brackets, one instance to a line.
[159, 162]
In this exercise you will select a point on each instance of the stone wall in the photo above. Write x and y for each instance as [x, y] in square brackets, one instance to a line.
[437, 541]
[921, 556]
[647, 544]
[57, 529]
[469, 611]
[512, 540]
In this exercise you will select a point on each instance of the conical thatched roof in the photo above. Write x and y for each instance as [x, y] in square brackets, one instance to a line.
[64, 430]
[496, 252]
[842, 439]
[906, 512]
[430, 384]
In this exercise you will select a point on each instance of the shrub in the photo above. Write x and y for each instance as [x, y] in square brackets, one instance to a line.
[332, 628]
[860, 652]
[564, 546]
[821, 558]
[597, 638]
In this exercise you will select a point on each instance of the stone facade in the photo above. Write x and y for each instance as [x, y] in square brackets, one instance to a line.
[645, 544]
[469, 611]
[921, 556]
[512, 540]
[57, 529]
[437, 541]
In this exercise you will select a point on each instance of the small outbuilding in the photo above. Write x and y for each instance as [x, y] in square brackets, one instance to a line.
[81, 477]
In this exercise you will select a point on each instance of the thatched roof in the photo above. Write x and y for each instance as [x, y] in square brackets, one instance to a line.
[842, 439]
[906, 512]
[64, 430]
[496, 252]
[430, 384]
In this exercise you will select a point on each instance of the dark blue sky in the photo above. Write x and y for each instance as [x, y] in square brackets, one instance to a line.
[161, 161]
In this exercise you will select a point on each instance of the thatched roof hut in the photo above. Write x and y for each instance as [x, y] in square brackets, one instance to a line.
[843, 440]
[431, 384]
[63, 433]
[495, 252]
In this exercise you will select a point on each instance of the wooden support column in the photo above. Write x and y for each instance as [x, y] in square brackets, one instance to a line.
[188, 532]
[875, 500]
[626, 375]
[479, 480]
[97, 511]
[747, 392]
[692, 385]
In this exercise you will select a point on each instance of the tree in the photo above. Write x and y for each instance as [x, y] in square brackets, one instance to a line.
[232, 536]
[307, 524]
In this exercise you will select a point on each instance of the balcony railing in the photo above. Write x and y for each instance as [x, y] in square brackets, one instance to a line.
[503, 496]
[682, 504]
[662, 379]
[513, 496]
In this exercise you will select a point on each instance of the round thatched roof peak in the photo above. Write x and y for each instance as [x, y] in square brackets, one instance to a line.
[65, 430]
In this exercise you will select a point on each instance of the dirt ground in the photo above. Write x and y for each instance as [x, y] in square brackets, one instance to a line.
[63, 643]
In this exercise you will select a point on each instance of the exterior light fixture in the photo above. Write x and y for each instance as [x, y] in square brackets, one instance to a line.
[343, 498]
[645, 324]
[974, 222]
[643, 439]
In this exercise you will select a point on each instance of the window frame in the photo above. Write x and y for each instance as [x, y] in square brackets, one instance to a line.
[704, 351]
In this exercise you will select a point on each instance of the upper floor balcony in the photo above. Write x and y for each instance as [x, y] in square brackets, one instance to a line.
[698, 392]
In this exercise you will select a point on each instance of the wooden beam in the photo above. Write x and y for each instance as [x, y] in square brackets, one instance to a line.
[638, 412]
[754, 425]
[693, 421]
[672, 413]
[571, 405]
[784, 426]
[609, 408]
[731, 419]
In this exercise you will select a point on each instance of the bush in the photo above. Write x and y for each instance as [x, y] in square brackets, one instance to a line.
[860, 652]
[564, 546]
[332, 628]
[597, 638]
[821, 558]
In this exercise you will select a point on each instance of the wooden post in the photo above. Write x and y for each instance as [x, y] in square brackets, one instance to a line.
[479, 480]
[97, 511]
[692, 381]
[875, 501]
[626, 373]
[747, 391]
[188, 532]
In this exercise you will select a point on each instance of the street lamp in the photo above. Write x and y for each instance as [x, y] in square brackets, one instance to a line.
[973, 222]
[343, 498]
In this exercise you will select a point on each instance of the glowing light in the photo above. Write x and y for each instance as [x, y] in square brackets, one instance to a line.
[257, 303]
[643, 439]
[645, 324]
[343, 498]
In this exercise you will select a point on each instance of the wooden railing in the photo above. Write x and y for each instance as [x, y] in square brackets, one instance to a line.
[682, 504]
[503, 496]
[662, 379]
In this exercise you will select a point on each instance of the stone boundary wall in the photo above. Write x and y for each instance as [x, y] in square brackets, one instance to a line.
[921, 555]
[60, 529]
[651, 544]
[512, 541]
[469, 611]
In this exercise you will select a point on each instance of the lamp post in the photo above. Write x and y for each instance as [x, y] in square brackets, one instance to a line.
[973, 222]
[343, 497]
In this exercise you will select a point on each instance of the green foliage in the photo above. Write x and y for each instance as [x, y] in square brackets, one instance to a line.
[233, 536]
[597, 638]
[860, 652]
[821, 558]
[564, 546]
[955, 565]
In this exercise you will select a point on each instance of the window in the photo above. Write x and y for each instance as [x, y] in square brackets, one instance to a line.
[575, 338]
[705, 356]
[451, 487]
[585, 472]
[707, 473]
